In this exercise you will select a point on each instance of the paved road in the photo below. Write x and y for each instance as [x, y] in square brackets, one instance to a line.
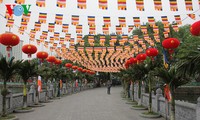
[88, 105]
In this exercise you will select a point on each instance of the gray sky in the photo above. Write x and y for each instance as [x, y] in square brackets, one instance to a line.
[93, 10]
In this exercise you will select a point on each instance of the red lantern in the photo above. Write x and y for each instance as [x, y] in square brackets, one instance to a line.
[133, 60]
[195, 28]
[29, 49]
[152, 52]
[42, 55]
[68, 65]
[9, 39]
[51, 59]
[74, 67]
[128, 62]
[84, 70]
[141, 57]
[80, 69]
[57, 61]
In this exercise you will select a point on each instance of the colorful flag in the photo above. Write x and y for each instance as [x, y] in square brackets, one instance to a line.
[62, 40]
[192, 16]
[188, 5]
[175, 27]
[75, 19]
[37, 26]
[72, 42]
[1, 1]
[56, 35]
[173, 5]
[67, 36]
[91, 20]
[42, 17]
[166, 28]
[46, 44]
[39, 84]
[167, 92]
[51, 27]
[61, 3]
[131, 41]
[81, 4]
[23, 25]
[20, 1]
[51, 40]
[32, 34]
[65, 28]
[92, 30]
[79, 29]
[103, 4]
[125, 38]
[58, 19]
[151, 21]
[21, 31]
[118, 29]
[155, 29]
[178, 19]
[143, 29]
[122, 21]
[105, 29]
[107, 21]
[102, 40]
[158, 5]
[136, 21]
[121, 4]
[113, 38]
[79, 38]
[135, 38]
[140, 5]
[40, 3]
[130, 28]
[165, 20]
[44, 34]
[26, 17]
[10, 23]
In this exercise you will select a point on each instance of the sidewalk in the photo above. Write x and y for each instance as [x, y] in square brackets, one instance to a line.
[92, 104]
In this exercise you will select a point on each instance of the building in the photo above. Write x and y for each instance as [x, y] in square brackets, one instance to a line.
[16, 51]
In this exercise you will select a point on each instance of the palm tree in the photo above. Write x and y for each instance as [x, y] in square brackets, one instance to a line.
[174, 79]
[27, 70]
[7, 70]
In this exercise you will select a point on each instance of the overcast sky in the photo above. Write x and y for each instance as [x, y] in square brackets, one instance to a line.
[93, 10]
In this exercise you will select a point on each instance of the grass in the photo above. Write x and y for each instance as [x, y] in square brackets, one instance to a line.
[138, 106]
[150, 113]
[7, 117]
[27, 108]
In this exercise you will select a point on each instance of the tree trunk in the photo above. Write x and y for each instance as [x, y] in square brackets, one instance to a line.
[150, 97]
[172, 89]
[24, 96]
[139, 89]
[46, 96]
[133, 90]
[4, 113]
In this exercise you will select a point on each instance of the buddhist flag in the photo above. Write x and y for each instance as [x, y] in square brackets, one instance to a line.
[175, 27]
[51, 27]
[165, 20]
[178, 19]
[122, 21]
[42, 17]
[61, 3]
[140, 5]
[24, 25]
[26, 17]
[155, 29]
[103, 4]
[151, 21]
[118, 29]
[192, 16]
[81, 4]
[20, 1]
[39, 84]
[131, 41]
[121, 4]
[135, 38]
[102, 40]
[10, 23]
[72, 42]
[136, 21]
[143, 29]
[75, 19]
[79, 38]
[32, 34]
[158, 5]
[113, 38]
[79, 29]
[56, 35]
[188, 5]
[62, 40]
[37, 26]
[130, 28]
[173, 5]
[44, 34]
[107, 21]
[1, 1]
[91, 20]
[58, 19]
[40, 3]
[166, 28]
[67, 36]
[46, 44]
[105, 29]
[125, 38]
[51, 40]
[92, 30]
[65, 28]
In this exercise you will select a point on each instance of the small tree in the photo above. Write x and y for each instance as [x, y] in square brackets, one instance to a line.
[7, 70]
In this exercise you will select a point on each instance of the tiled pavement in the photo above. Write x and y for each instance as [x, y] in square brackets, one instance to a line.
[92, 104]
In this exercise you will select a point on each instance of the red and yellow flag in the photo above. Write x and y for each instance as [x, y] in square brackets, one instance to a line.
[165, 20]
[81, 4]
[121, 4]
[61, 3]
[158, 5]
[118, 29]
[42, 17]
[136, 21]
[10, 23]
[130, 28]
[192, 16]
[26, 17]
[67, 36]
[105, 29]
[178, 19]
[92, 29]
[51, 27]
[40, 3]
[173, 5]
[20, 1]
[140, 5]
[37, 26]
[122, 21]
[65, 28]
[107, 21]
[103, 4]
[79, 28]
[75, 19]
[91, 20]
[151, 21]
[188, 5]
[58, 19]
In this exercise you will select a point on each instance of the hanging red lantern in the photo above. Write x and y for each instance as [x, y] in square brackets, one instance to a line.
[68, 65]
[42, 55]
[141, 57]
[57, 61]
[84, 70]
[74, 67]
[195, 28]
[29, 49]
[152, 52]
[133, 60]
[128, 62]
[9, 39]
[51, 59]
[79, 69]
